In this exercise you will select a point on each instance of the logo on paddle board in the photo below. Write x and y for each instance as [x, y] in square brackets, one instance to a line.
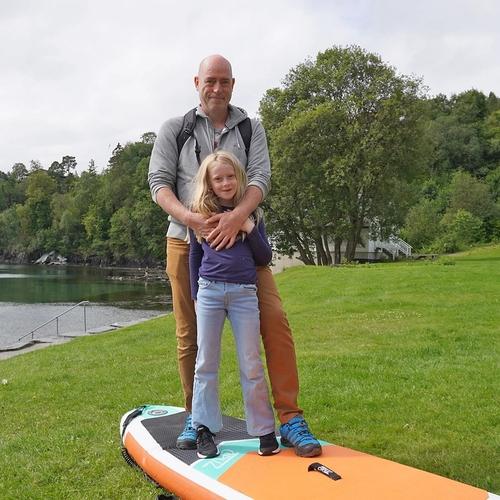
[221, 461]
[157, 412]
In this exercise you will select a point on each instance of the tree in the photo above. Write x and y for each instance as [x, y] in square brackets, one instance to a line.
[63, 172]
[96, 232]
[92, 168]
[39, 191]
[35, 215]
[121, 235]
[493, 181]
[10, 228]
[420, 228]
[12, 188]
[460, 229]
[114, 225]
[68, 164]
[150, 220]
[474, 196]
[346, 139]
[300, 180]
[492, 135]
[470, 194]
[67, 224]
[35, 165]
[458, 134]
[148, 138]
[19, 172]
[492, 103]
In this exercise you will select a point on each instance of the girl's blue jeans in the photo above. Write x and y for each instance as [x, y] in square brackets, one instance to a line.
[238, 302]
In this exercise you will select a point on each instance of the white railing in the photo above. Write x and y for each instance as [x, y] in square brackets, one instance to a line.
[395, 246]
[56, 319]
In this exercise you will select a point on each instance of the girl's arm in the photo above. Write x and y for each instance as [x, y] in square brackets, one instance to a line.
[261, 249]
[195, 256]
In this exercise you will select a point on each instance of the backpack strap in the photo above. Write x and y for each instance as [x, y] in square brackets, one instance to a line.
[186, 132]
[186, 129]
[245, 128]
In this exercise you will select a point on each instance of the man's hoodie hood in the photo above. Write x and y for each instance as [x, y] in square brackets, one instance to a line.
[236, 115]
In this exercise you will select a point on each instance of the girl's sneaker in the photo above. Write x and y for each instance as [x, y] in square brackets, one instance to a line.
[268, 445]
[205, 445]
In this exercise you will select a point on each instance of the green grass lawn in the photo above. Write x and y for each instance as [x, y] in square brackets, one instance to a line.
[399, 360]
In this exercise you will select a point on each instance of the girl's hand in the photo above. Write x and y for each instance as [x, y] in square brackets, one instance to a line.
[248, 226]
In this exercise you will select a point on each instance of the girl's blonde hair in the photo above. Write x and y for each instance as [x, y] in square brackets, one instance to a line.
[204, 200]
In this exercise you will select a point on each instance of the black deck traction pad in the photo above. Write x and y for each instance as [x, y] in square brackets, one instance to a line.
[165, 430]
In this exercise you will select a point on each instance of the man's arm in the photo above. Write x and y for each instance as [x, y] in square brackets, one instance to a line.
[162, 177]
[163, 162]
[171, 204]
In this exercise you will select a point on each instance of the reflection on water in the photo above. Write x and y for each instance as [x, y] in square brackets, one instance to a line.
[71, 284]
[7, 275]
[30, 295]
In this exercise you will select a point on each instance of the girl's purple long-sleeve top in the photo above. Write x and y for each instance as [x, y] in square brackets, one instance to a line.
[233, 265]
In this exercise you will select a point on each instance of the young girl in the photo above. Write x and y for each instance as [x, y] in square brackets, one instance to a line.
[223, 283]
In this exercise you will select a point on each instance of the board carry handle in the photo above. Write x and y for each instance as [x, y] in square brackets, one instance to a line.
[323, 469]
[133, 414]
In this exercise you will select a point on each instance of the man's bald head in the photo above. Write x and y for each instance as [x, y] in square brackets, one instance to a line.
[215, 61]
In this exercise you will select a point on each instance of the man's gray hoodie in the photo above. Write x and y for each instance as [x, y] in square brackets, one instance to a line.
[167, 169]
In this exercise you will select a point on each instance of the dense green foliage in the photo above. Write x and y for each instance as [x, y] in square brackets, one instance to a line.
[397, 360]
[459, 200]
[352, 144]
[346, 141]
[91, 217]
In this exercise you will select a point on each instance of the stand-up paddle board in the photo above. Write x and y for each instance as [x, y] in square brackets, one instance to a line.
[149, 434]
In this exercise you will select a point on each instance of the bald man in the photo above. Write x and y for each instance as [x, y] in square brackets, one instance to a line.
[170, 175]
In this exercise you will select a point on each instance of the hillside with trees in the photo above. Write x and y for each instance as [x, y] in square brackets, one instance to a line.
[352, 143]
[99, 218]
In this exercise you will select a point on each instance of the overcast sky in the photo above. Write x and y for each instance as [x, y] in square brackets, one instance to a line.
[79, 76]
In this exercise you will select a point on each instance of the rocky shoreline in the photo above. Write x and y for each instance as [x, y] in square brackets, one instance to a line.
[132, 271]
[53, 258]
[139, 274]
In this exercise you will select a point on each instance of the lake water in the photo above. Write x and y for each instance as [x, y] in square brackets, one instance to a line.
[31, 295]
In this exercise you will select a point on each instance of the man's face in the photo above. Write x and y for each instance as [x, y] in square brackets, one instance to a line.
[215, 86]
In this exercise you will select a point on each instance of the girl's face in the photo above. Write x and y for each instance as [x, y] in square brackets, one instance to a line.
[222, 180]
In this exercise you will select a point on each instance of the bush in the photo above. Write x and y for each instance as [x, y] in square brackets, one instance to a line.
[468, 228]
[447, 243]
[461, 229]
[420, 227]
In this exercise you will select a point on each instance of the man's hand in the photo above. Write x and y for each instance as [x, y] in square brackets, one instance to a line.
[228, 224]
[200, 224]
